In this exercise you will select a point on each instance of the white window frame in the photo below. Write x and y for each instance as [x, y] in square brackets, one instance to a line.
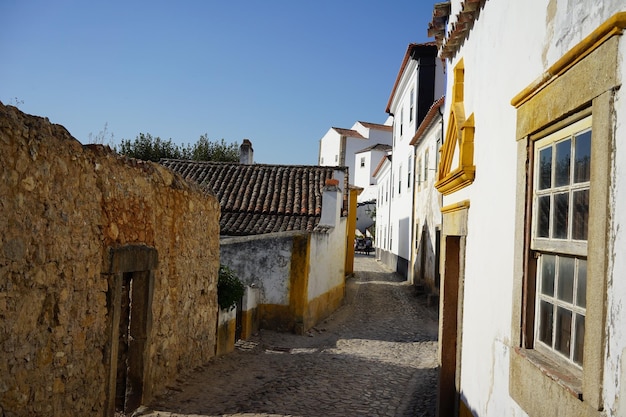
[559, 248]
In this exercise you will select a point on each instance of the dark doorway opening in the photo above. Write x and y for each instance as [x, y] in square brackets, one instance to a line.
[132, 341]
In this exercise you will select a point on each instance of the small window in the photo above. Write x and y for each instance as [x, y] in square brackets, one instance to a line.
[411, 105]
[336, 158]
[400, 179]
[419, 172]
[362, 161]
[401, 121]
[410, 171]
[426, 166]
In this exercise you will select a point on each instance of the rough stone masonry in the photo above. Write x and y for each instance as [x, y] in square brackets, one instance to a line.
[64, 209]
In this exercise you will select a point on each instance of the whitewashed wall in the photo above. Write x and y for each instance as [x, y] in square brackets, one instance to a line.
[509, 47]
[327, 265]
[330, 146]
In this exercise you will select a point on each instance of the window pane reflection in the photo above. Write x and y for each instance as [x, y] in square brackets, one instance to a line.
[543, 217]
[563, 330]
[581, 287]
[562, 161]
[561, 215]
[547, 274]
[582, 162]
[545, 168]
[566, 279]
[580, 215]
[580, 338]
[545, 323]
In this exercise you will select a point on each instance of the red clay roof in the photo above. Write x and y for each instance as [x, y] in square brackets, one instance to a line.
[257, 199]
[412, 49]
[432, 112]
[348, 132]
[377, 126]
[381, 163]
[450, 42]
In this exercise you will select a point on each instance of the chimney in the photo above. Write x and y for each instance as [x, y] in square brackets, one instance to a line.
[246, 153]
[332, 203]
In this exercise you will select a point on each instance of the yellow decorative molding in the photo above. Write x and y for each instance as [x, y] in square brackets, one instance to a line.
[463, 138]
[461, 205]
[613, 26]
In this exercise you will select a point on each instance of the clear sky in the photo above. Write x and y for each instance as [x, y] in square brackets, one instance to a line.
[279, 72]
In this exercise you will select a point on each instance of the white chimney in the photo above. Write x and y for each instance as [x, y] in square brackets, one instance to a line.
[246, 153]
[332, 203]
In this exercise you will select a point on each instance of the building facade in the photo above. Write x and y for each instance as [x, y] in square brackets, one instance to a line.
[531, 313]
[419, 81]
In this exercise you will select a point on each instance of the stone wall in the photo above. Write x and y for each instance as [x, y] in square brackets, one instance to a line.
[63, 208]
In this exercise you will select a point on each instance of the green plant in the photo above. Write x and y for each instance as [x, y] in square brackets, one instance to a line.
[229, 288]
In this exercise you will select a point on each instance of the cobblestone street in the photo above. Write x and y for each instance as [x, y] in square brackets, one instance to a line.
[375, 356]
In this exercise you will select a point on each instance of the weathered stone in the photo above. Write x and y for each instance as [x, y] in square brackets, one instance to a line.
[63, 207]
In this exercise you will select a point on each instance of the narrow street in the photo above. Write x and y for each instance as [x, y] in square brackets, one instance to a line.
[375, 356]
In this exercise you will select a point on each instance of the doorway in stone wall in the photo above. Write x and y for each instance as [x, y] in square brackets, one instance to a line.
[131, 284]
[131, 341]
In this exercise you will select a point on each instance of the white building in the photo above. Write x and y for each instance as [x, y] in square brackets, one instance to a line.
[339, 146]
[419, 81]
[425, 254]
[365, 162]
[382, 175]
[532, 174]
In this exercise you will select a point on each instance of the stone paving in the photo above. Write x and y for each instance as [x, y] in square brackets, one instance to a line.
[375, 356]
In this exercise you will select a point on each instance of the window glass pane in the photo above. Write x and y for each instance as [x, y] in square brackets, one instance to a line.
[580, 339]
[545, 168]
[561, 214]
[547, 274]
[545, 323]
[581, 287]
[580, 214]
[563, 330]
[562, 161]
[582, 156]
[566, 279]
[543, 217]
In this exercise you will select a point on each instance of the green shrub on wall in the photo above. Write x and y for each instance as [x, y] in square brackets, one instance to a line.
[229, 288]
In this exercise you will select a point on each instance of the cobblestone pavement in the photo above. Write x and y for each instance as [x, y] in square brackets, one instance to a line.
[375, 356]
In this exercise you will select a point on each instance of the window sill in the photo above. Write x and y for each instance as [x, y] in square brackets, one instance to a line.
[569, 378]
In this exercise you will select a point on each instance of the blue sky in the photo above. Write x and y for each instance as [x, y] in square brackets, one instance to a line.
[278, 72]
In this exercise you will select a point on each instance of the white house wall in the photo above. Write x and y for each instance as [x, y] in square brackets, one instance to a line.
[330, 147]
[427, 208]
[327, 266]
[509, 47]
[615, 367]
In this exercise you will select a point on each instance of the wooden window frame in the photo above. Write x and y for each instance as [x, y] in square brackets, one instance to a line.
[546, 106]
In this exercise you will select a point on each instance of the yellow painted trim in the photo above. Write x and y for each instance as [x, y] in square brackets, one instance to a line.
[323, 305]
[350, 232]
[464, 174]
[612, 27]
[461, 205]
[299, 278]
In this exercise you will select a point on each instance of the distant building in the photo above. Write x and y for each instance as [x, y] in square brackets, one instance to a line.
[420, 80]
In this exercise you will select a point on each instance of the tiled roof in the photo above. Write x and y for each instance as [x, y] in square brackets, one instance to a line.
[449, 43]
[257, 199]
[428, 119]
[378, 147]
[414, 50]
[377, 126]
[348, 132]
[381, 163]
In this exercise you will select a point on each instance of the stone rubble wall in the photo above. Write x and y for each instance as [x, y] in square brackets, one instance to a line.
[62, 206]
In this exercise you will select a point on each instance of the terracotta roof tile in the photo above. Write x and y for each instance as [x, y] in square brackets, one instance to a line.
[257, 199]
[348, 132]
[428, 119]
[377, 126]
